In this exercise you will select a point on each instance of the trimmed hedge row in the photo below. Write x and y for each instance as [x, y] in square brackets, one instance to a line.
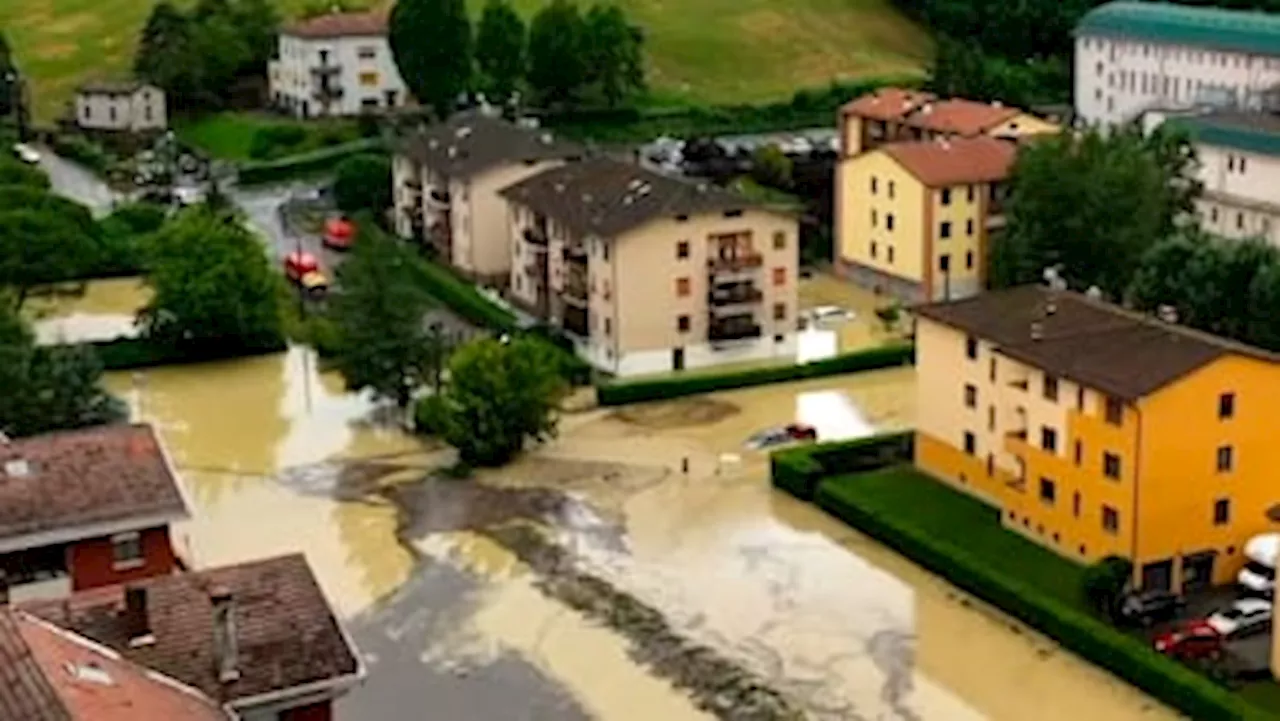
[255, 173]
[799, 470]
[129, 353]
[1128, 658]
[617, 394]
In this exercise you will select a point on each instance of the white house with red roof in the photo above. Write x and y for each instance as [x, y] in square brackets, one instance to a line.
[338, 64]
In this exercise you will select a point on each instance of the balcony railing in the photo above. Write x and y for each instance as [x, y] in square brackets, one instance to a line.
[534, 236]
[575, 320]
[736, 296]
[733, 331]
[728, 264]
[576, 251]
[326, 70]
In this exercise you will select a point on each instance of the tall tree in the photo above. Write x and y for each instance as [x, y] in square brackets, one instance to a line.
[6, 85]
[557, 61]
[14, 173]
[259, 21]
[383, 343]
[614, 54]
[162, 51]
[500, 49]
[432, 45]
[38, 247]
[363, 182]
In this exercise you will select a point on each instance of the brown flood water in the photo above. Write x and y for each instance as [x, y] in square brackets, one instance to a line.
[838, 623]
[97, 310]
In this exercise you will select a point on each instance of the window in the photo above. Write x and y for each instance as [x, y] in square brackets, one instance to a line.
[1111, 465]
[891, 189]
[682, 250]
[945, 229]
[126, 550]
[608, 326]
[779, 276]
[733, 213]
[1047, 491]
[970, 443]
[968, 260]
[1048, 439]
[944, 263]
[874, 185]
[1231, 163]
[682, 218]
[1239, 221]
[779, 240]
[888, 221]
[968, 227]
[146, 112]
[890, 256]
[1110, 520]
[1115, 411]
[779, 311]
[1080, 398]
[992, 373]
[368, 79]
[873, 249]
[970, 396]
[682, 287]
[946, 196]
[969, 193]
[324, 57]
[682, 324]
[604, 251]
[1050, 387]
[1075, 504]
[1242, 162]
[111, 113]
[971, 348]
[88, 111]
[1226, 406]
[1226, 458]
[875, 217]
[991, 418]
[1221, 512]
[367, 52]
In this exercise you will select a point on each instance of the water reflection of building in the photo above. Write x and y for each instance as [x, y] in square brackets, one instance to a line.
[1100, 431]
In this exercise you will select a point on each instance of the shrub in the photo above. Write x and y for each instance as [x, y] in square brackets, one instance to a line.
[129, 353]
[363, 182]
[83, 151]
[272, 141]
[1104, 583]
[318, 161]
[679, 386]
[798, 471]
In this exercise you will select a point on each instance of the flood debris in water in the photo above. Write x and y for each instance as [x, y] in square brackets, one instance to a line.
[713, 682]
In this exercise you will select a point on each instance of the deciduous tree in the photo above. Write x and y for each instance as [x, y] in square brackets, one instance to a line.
[162, 51]
[6, 86]
[14, 173]
[38, 247]
[557, 56]
[501, 40]
[432, 44]
[614, 54]
[363, 182]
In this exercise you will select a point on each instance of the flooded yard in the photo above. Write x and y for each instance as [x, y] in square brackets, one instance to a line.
[864, 330]
[92, 311]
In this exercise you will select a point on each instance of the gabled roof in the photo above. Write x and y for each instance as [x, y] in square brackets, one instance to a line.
[887, 103]
[1239, 30]
[605, 197]
[287, 635]
[1097, 344]
[960, 117]
[73, 481]
[1249, 132]
[25, 692]
[93, 683]
[337, 25]
[957, 161]
[472, 142]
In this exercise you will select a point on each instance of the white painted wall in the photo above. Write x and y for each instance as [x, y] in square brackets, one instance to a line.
[143, 110]
[367, 74]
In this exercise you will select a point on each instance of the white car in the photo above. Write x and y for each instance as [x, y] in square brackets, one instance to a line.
[828, 314]
[1248, 615]
[26, 153]
[1259, 574]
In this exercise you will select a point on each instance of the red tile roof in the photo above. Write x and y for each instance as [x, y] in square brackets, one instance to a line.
[336, 25]
[886, 104]
[25, 693]
[960, 117]
[957, 161]
[94, 683]
[69, 482]
[286, 633]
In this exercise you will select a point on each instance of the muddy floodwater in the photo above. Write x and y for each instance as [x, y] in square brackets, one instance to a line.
[81, 312]
[594, 578]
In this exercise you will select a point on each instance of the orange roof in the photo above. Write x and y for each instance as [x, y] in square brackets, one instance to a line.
[94, 683]
[336, 25]
[886, 104]
[957, 161]
[960, 116]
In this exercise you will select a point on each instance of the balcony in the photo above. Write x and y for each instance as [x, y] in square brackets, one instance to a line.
[734, 295]
[535, 236]
[725, 330]
[326, 94]
[575, 291]
[576, 252]
[735, 263]
[326, 70]
[439, 199]
[576, 321]
[537, 269]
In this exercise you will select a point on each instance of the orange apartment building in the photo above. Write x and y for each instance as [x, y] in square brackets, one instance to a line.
[1099, 431]
[650, 273]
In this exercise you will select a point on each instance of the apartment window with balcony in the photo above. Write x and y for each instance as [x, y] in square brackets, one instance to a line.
[968, 227]
[1111, 465]
[970, 443]
[945, 196]
[682, 287]
[1049, 439]
[779, 240]
[1115, 411]
[971, 348]
[779, 311]
[1226, 406]
[1221, 512]
[126, 550]
[682, 324]
[779, 276]
[1048, 491]
[944, 230]
[888, 221]
[682, 250]
[1110, 520]
[970, 396]
[1226, 458]
[1050, 388]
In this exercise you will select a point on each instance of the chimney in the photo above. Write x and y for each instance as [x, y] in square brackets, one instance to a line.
[1037, 330]
[225, 646]
[137, 621]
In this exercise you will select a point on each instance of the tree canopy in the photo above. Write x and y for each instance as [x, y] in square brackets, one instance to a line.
[614, 50]
[432, 45]
[501, 40]
[6, 86]
[557, 53]
[38, 247]
[363, 182]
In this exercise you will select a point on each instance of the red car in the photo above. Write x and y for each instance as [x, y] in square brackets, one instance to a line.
[1190, 641]
[802, 431]
[338, 233]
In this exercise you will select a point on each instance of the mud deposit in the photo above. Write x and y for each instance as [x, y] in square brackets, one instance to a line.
[681, 413]
[713, 683]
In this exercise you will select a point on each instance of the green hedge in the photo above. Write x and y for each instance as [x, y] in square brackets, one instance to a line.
[1076, 630]
[318, 161]
[130, 353]
[799, 470]
[678, 386]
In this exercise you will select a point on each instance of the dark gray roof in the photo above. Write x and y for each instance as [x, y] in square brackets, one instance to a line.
[113, 87]
[470, 143]
[606, 197]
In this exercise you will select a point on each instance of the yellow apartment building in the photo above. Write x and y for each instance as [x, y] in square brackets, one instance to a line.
[915, 217]
[1098, 431]
[650, 273]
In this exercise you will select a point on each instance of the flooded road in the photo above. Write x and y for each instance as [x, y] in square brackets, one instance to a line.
[92, 311]
[594, 579]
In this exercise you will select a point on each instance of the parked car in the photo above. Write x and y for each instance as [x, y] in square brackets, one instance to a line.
[26, 153]
[339, 233]
[1258, 577]
[1245, 616]
[789, 433]
[1195, 640]
[1150, 607]
[828, 313]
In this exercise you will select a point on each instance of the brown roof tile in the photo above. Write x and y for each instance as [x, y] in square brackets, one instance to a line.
[286, 631]
[887, 104]
[938, 163]
[336, 25]
[65, 481]
[25, 693]
[472, 142]
[965, 118]
[1095, 343]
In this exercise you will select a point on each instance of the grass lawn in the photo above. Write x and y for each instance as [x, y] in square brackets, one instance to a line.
[229, 136]
[715, 51]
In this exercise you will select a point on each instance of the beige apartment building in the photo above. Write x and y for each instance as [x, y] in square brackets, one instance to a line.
[446, 179]
[650, 273]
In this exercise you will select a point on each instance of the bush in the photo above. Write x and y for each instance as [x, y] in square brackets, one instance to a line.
[363, 182]
[679, 386]
[798, 471]
[1076, 630]
[319, 161]
[129, 353]
[1104, 583]
[273, 141]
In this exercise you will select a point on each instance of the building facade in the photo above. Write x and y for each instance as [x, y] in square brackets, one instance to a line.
[86, 509]
[1131, 57]
[446, 182]
[649, 273]
[338, 64]
[125, 107]
[916, 217]
[1097, 431]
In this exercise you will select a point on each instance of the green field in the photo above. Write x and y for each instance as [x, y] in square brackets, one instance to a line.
[709, 51]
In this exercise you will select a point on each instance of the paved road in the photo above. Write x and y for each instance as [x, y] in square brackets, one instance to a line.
[79, 184]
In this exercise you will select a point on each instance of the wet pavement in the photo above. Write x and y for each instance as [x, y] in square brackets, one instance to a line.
[78, 183]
